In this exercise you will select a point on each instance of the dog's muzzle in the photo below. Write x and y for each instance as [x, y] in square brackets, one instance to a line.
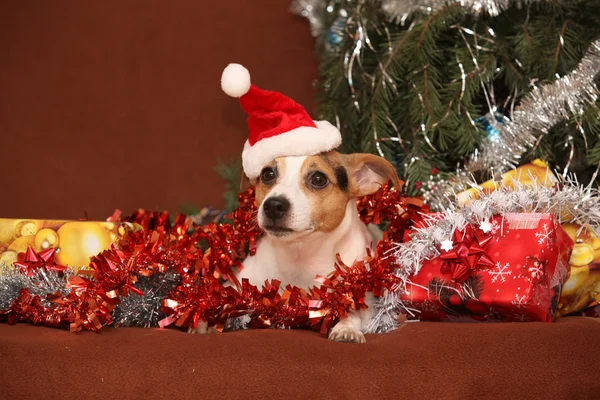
[275, 208]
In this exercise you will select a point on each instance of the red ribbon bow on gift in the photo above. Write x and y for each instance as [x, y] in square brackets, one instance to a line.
[467, 255]
[31, 261]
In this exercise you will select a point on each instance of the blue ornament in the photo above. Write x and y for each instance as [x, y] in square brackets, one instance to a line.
[490, 123]
[335, 36]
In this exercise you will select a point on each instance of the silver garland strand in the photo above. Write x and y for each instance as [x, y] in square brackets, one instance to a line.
[133, 310]
[439, 192]
[570, 203]
[11, 283]
[41, 283]
[146, 310]
[537, 113]
[399, 10]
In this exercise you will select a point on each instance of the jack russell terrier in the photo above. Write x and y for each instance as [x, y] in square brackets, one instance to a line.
[307, 206]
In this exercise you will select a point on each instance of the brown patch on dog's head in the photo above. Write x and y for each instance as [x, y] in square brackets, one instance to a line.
[324, 179]
[330, 180]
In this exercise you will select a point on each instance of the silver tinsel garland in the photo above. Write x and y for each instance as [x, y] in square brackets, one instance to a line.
[146, 310]
[133, 310]
[537, 113]
[399, 10]
[41, 283]
[570, 202]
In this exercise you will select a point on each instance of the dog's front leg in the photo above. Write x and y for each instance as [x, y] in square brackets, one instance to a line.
[348, 329]
[351, 328]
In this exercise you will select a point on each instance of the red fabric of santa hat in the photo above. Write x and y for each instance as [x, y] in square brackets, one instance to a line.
[277, 125]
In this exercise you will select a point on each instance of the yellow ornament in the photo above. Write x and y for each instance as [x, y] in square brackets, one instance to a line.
[11, 229]
[8, 257]
[21, 244]
[78, 241]
[579, 235]
[28, 228]
[582, 254]
[576, 278]
[45, 239]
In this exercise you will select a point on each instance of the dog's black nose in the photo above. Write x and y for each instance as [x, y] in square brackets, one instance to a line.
[276, 207]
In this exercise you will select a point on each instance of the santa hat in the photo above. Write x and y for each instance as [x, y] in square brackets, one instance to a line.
[277, 125]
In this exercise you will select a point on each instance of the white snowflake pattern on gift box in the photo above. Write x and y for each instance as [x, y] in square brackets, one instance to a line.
[520, 301]
[500, 272]
[545, 237]
[534, 269]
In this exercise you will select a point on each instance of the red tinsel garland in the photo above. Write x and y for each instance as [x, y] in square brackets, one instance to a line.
[164, 246]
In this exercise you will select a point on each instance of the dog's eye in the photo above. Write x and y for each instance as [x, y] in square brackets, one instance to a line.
[318, 180]
[268, 175]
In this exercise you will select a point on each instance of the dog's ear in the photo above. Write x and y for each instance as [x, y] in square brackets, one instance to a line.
[245, 183]
[368, 172]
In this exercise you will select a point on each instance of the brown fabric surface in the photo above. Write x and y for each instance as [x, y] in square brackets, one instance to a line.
[418, 361]
[117, 103]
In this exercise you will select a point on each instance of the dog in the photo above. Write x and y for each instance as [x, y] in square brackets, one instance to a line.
[307, 209]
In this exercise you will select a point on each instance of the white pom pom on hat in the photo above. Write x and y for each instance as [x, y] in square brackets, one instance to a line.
[235, 80]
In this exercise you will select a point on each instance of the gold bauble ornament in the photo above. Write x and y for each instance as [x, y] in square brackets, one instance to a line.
[7, 258]
[11, 229]
[582, 254]
[576, 278]
[20, 245]
[579, 235]
[46, 238]
[571, 230]
[78, 241]
[28, 228]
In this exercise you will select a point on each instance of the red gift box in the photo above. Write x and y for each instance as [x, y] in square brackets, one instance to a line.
[512, 272]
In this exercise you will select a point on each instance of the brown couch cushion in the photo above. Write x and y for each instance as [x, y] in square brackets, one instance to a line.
[418, 361]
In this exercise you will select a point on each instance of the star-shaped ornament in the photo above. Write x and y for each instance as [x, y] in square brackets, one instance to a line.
[486, 226]
[447, 245]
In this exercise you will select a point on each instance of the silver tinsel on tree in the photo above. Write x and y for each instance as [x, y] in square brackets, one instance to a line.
[521, 123]
[399, 10]
[537, 113]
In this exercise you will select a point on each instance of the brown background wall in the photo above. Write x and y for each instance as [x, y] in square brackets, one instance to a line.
[117, 104]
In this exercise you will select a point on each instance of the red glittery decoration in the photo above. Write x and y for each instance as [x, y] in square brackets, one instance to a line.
[30, 261]
[207, 258]
[467, 256]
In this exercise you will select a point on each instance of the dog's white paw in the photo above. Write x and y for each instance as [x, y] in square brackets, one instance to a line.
[202, 328]
[346, 333]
